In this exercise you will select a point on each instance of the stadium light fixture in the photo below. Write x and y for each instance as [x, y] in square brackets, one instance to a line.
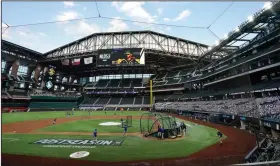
[209, 48]
[250, 18]
[267, 5]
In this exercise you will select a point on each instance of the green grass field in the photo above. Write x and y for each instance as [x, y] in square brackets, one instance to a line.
[24, 116]
[90, 125]
[133, 147]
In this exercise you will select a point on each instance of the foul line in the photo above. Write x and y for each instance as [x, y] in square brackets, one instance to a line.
[11, 139]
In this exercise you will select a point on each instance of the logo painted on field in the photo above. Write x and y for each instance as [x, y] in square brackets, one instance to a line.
[84, 142]
[80, 154]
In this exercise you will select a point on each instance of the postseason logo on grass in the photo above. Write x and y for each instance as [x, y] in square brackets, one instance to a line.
[83, 142]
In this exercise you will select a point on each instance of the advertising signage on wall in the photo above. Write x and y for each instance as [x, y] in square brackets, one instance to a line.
[227, 116]
[243, 118]
[121, 57]
[270, 124]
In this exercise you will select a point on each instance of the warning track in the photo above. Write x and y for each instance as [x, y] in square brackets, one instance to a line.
[233, 146]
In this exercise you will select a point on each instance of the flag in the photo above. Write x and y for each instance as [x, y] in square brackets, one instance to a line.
[88, 60]
[76, 62]
[65, 62]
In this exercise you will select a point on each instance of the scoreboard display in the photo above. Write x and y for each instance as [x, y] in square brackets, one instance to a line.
[121, 57]
[49, 76]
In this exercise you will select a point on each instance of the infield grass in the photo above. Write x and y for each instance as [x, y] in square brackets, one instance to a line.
[90, 125]
[133, 147]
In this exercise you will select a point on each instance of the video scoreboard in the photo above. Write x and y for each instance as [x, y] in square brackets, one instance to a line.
[121, 57]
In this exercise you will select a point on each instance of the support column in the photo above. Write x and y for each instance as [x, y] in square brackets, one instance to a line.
[243, 125]
[43, 83]
[262, 129]
[15, 67]
[38, 69]
[29, 73]
[8, 67]
[275, 133]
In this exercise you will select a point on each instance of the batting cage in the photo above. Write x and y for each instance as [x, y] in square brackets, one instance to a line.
[147, 120]
[150, 122]
[127, 122]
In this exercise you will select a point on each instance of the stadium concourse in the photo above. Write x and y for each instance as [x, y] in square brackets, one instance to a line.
[233, 89]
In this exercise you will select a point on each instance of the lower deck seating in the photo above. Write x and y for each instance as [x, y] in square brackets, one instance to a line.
[146, 100]
[138, 100]
[110, 108]
[126, 100]
[90, 100]
[102, 101]
[114, 100]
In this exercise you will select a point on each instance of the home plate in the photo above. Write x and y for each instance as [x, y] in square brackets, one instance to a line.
[110, 124]
[80, 154]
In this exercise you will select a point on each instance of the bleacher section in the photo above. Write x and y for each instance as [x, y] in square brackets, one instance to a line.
[159, 76]
[138, 101]
[19, 95]
[114, 83]
[5, 95]
[114, 100]
[269, 150]
[173, 81]
[171, 74]
[136, 83]
[54, 96]
[267, 107]
[102, 101]
[146, 100]
[102, 83]
[127, 100]
[125, 83]
[91, 100]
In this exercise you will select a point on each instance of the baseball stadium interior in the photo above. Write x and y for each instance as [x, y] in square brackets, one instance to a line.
[237, 86]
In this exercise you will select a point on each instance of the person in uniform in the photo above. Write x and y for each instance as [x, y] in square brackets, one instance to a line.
[95, 135]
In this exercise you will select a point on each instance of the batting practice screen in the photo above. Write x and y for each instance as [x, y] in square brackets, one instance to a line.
[128, 122]
[121, 57]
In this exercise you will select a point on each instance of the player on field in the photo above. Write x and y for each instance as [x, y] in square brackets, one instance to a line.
[162, 133]
[95, 135]
[54, 121]
[125, 130]
[159, 131]
[184, 128]
[220, 135]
